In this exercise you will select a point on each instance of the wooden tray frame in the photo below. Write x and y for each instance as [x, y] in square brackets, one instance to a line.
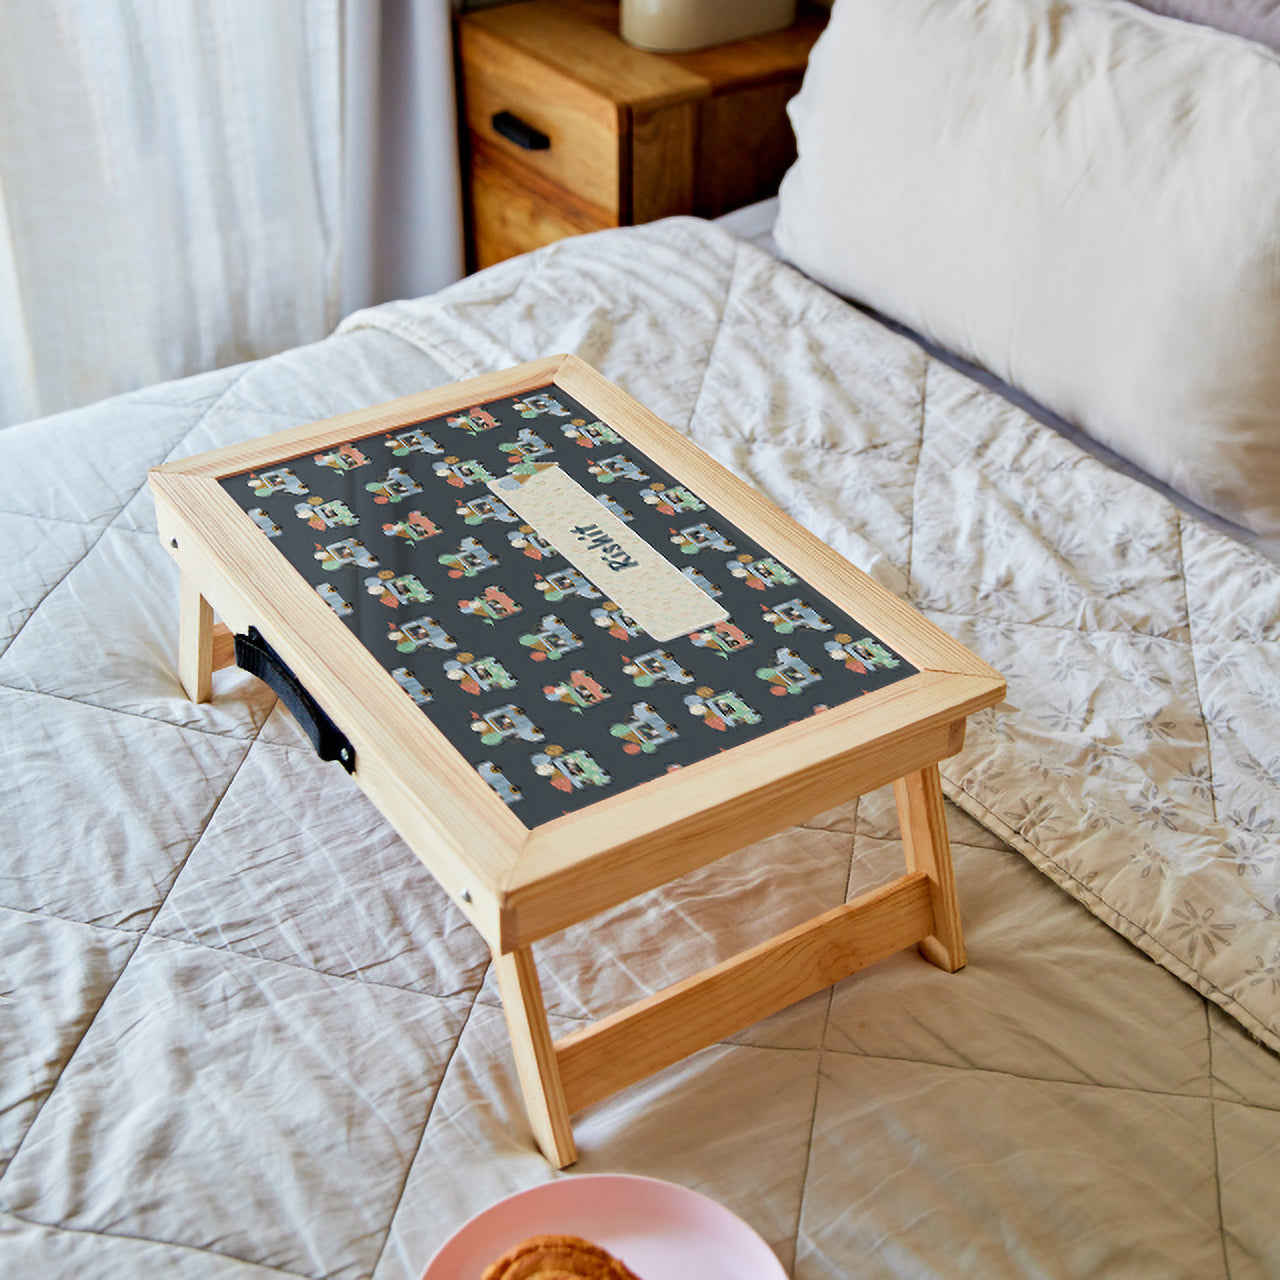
[518, 885]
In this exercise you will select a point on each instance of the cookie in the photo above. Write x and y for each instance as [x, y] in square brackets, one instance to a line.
[557, 1257]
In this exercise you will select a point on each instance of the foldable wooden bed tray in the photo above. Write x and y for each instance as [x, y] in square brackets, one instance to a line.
[570, 658]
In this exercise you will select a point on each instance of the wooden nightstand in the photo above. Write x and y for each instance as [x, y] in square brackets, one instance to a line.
[569, 129]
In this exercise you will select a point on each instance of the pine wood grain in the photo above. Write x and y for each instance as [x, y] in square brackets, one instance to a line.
[224, 646]
[928, 848]
[535, 1055]
[195, 642]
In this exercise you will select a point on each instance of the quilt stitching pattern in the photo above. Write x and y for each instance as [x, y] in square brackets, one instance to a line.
[243, 844]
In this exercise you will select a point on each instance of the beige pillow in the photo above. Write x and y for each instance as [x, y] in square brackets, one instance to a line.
[1082, 197]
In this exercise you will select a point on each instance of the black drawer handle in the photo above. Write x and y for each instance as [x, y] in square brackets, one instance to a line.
[258, 658]
[518, 131]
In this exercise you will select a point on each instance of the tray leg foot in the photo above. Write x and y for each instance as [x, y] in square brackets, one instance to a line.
[928, 848]
[535, 1055]
[195, 643]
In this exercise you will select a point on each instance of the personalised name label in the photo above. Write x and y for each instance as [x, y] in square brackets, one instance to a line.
[619, 562]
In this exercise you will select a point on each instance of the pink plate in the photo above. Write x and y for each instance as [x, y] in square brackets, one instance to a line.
[660, 1230]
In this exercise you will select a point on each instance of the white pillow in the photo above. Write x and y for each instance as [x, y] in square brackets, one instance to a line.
[1082, 197]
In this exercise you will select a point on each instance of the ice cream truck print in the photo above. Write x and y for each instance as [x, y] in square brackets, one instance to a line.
[863, 655]
[348, 551]
[699, 537]
[607, 470]
[265, 523]
[789, 673]
[478, 675]
[610, 503]
[412, 685]
[539, 402]
[486, 507]
[760, 574]
[551, 640]
[320, 514]
[498, 781]
[469, 559]
[701, 581]
[415, 527]
[505, 723]
[530, 542]
[473, 421]
[565, 582]
[414, 440]
[590, 434]
[395, 486]
[569, 770]
[277, 480]
[459, 472]
[333, 598]
[492, 604]
[671, 498]
[720, 711]
[619, 624]
[792, 614]
[644, 732]
[580, 690]
[394, 591]
[655, 667]
[346, 457]
[724, 638]
[409, 637]
[527, 445]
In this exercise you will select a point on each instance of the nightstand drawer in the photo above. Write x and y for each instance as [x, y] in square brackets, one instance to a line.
[582, 154]
[510, 216]
[613, 135]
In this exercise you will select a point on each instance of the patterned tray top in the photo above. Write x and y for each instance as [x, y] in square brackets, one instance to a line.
[551, 691]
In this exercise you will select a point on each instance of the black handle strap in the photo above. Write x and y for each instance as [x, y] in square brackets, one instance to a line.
[520, 132]
[258, 658]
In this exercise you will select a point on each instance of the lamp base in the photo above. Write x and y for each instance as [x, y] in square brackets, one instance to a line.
[678, 26]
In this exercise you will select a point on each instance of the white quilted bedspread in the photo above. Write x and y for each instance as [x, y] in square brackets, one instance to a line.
[1141, 769]
[243, 1035]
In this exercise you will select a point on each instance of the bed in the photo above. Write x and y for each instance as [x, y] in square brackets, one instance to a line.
[243, 1035]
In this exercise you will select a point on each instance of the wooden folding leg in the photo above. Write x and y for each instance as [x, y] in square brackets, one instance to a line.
[666, 1027]
[596, 1061]
[195, 642]
[924, 834]
[535, 1055]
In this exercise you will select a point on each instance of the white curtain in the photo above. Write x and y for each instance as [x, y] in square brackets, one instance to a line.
[188, 183]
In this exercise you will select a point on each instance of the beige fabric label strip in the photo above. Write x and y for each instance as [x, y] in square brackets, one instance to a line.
[619, 562]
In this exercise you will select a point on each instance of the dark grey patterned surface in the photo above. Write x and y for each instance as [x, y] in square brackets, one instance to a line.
[551, 692]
